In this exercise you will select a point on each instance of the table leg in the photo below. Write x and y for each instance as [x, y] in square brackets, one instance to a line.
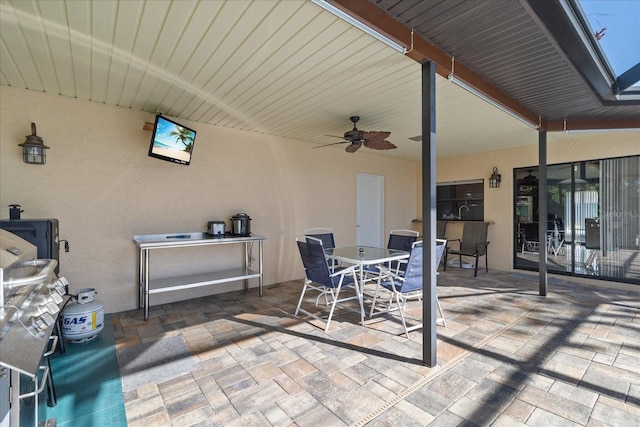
[260, 266]
[360, 292]
[246, 264]
[361, 288]
[146, 285]
[140, 278]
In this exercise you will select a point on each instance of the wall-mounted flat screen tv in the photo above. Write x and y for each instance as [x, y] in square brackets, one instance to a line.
[172, 141]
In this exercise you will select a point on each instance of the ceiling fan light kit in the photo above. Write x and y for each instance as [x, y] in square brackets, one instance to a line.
[374, 140]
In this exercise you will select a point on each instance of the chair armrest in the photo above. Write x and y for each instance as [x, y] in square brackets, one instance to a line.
[481, 248]
[344, 271]
[447, 248]
[385, 272]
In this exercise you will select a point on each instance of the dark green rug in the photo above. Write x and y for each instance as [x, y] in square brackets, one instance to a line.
[87, 383]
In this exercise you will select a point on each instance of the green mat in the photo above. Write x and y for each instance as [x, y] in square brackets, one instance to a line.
[87, 382]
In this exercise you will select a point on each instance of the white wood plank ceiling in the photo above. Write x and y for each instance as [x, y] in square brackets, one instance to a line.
[284, 68]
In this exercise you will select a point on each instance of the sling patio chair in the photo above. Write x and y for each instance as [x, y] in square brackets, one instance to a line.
[321, 279]
[406, 287]
[401, 240]
[328, 241]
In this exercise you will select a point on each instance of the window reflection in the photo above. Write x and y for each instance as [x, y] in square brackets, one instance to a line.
[593, 221]
[460, 201]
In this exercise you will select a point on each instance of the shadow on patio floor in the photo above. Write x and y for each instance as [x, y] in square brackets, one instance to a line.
[506, 357]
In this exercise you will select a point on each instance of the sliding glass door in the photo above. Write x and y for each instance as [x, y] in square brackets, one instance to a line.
[593, 221]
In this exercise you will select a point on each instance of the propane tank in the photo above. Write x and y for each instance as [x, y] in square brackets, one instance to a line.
[82, 321]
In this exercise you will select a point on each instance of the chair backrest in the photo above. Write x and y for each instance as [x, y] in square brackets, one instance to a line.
[413, 275]
[472, 234]
[592, 233]
[314, 261]
[402, 239]
[530, 230]
[441, 229]
[324, 234]
[313, 240]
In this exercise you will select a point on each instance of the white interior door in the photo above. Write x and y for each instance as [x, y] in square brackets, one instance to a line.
[370, 210]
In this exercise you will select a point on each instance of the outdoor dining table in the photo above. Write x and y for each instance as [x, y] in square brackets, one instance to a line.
[365, 255]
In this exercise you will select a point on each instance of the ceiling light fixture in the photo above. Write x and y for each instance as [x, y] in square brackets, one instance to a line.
[453, 79]
[528, 180]
[353, 21]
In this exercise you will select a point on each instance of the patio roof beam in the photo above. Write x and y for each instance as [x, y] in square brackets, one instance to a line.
[589, 125]
[627, 79]
[420, 50]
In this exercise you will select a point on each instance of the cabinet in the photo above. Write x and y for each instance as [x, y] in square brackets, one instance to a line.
[150, 242]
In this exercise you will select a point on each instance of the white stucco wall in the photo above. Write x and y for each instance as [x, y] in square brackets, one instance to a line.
[104, 189]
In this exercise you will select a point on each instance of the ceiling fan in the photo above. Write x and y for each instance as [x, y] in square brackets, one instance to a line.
[357, 138]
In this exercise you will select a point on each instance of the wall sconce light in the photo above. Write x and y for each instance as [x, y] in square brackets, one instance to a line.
[494, 181]
[33, 149]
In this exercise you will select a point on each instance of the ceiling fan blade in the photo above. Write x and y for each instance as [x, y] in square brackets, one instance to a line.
[376, 140]
[333, 143]
[379, 145]
[352, 148]
[375, 136]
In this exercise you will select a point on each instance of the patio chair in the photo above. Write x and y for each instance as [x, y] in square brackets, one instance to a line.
[333, 267]
[319, 278]
[326, 236]
[555, 237]
[407, 287]
[441, 229]
[473, 244]
[401, 240]
[592, 244]
[530, 239]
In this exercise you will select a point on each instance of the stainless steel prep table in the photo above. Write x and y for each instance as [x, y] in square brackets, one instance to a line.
[148, 242]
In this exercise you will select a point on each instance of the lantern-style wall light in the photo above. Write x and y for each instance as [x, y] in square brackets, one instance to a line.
[494, 181]
[33, 149]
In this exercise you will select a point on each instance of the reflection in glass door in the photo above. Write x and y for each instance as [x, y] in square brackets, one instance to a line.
[584, 211]
[558, 221]
[593, 221]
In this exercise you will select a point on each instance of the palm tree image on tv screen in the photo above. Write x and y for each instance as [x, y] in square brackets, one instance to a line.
[171, 141]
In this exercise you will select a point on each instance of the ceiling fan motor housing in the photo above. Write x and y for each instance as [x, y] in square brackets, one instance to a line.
[353, 135]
